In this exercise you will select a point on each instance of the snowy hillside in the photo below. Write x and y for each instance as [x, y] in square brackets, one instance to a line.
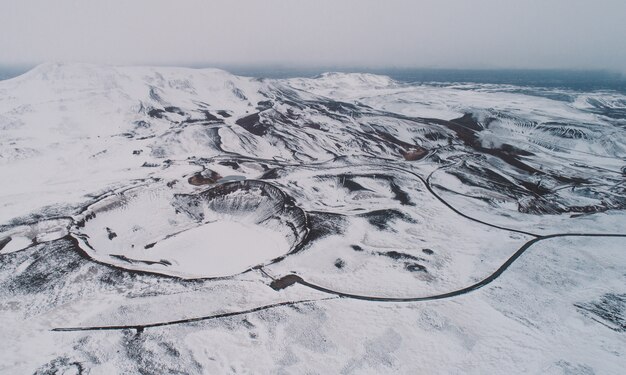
[172, 220]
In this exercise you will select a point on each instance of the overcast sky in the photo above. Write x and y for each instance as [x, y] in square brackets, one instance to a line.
[385, 33]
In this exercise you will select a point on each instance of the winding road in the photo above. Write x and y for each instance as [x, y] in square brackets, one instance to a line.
[292, 279]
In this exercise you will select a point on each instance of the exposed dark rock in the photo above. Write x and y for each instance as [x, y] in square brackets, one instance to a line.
[4, 242]
[415, 267]
[381, 219]
[253, 124]
[340, 263]
[609, 310]
[395, 255]
[110, 233]
[204, 178]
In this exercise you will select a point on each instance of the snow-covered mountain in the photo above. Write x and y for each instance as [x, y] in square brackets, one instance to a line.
[158, 220]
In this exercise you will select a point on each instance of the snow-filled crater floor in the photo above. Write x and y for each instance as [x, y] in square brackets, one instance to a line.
[170, 220]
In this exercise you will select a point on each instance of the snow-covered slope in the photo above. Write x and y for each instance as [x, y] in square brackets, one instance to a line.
[162, 219]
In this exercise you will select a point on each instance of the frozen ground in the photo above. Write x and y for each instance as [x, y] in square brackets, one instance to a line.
[166, 220]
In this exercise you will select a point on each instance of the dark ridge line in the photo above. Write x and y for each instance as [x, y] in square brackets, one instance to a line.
[141, 182]
[266, 274]
[36, 221]
[4, 242]
[468, 289]
[141, 327]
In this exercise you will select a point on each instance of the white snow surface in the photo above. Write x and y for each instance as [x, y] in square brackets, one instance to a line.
[149, 217]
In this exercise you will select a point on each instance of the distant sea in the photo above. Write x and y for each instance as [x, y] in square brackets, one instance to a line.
[10, 72]
[579, 80]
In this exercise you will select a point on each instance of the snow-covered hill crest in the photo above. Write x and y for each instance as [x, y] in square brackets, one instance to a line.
[159, 220]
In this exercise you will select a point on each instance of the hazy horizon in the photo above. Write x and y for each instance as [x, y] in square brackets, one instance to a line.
[578, 80]
[426, 34]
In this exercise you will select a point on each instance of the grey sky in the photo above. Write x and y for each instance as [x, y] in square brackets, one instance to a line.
[393, 33]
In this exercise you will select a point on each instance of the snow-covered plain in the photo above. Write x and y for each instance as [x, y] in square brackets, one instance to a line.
[170, 220]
